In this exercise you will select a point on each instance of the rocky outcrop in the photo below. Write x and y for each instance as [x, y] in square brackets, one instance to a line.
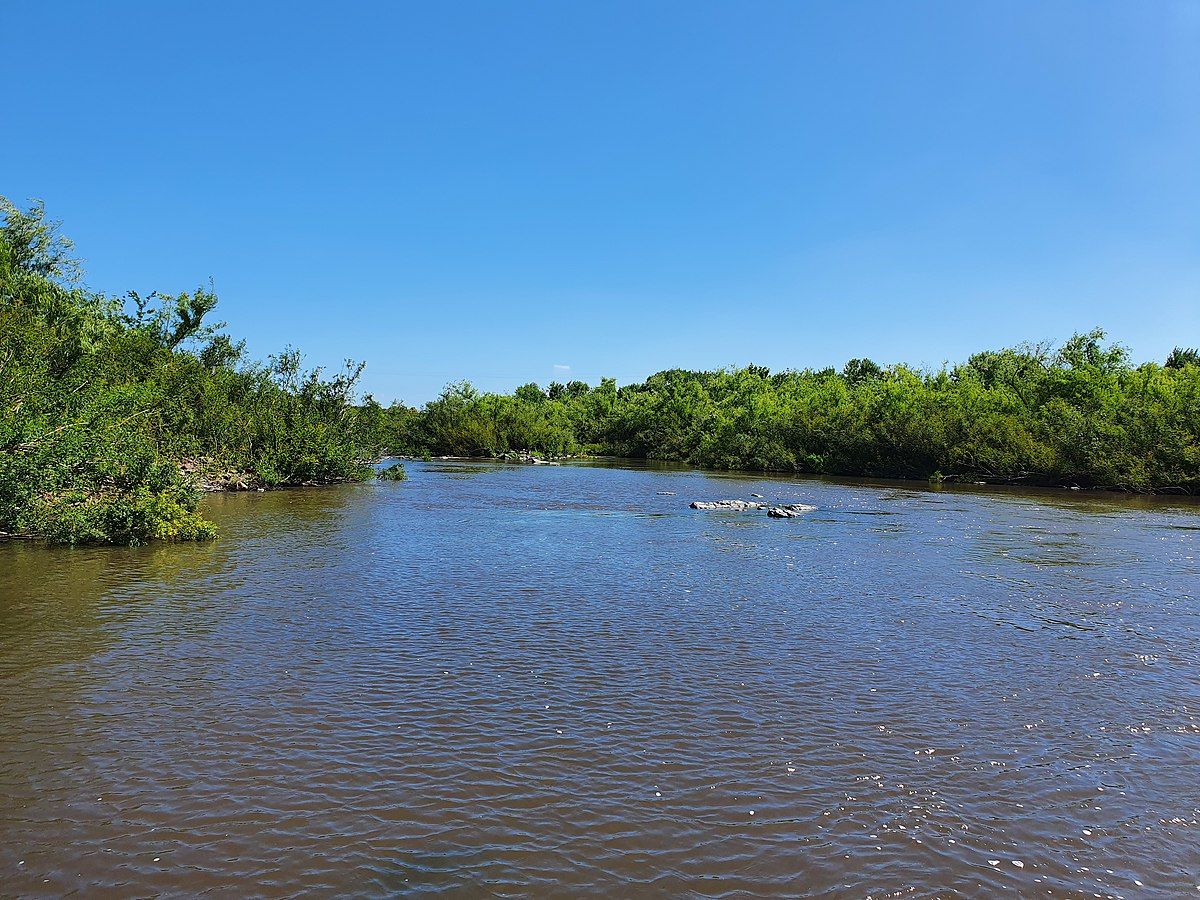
[789, 512]
[735, 505]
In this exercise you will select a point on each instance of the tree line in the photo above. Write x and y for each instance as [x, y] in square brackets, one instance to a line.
[1080, 414]
[115, 410]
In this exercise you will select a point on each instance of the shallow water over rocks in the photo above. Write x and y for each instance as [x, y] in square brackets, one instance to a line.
[507, 680]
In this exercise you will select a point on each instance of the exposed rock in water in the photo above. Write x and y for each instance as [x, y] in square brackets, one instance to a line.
[736, 505]
[759, 496]
[789, 512]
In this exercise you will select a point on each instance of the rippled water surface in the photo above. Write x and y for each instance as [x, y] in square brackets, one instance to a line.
[507, 680]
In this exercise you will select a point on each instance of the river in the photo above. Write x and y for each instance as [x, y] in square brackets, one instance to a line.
[505, 680]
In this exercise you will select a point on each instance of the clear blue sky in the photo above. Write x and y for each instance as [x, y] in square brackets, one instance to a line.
[498, 190]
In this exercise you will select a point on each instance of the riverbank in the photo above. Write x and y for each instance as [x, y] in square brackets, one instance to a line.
[210, 477]
[117, 414]
[1079, 415]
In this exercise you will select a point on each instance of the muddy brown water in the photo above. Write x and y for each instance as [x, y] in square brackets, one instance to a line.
[500, 680]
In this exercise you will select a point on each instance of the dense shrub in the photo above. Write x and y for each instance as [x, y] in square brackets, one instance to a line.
[104, 403]
[1081, 414]
[394, 472]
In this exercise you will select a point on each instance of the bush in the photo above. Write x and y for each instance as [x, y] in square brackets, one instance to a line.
[103, 402]
[1082, 414]
[393, 472]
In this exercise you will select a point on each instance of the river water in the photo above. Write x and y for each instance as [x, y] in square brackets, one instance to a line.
[501, 680]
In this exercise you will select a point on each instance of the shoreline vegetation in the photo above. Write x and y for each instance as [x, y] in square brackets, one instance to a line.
[116, 413]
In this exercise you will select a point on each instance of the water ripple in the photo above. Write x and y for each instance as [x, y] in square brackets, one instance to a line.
[503, 681]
